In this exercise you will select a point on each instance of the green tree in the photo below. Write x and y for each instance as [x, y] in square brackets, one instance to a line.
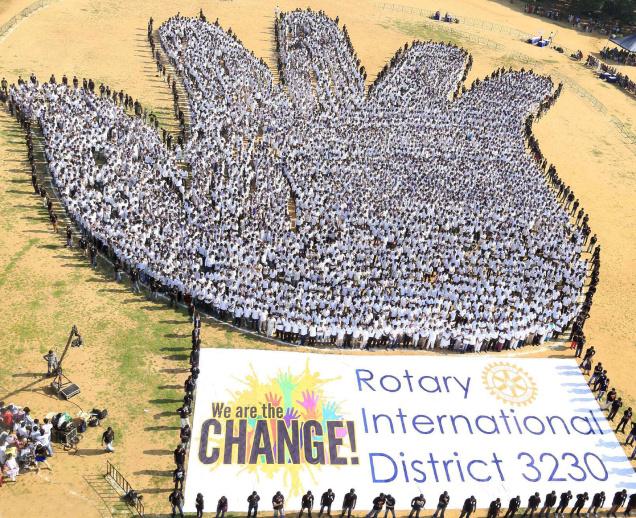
[621, 9]
[585, 6]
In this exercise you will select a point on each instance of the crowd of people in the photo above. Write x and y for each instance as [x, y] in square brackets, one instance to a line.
[458, 243]
[611, 74]
[625, 57]
[176, 497]
[25, 442]
[609, 399]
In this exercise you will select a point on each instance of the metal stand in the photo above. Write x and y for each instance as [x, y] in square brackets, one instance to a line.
[62, 386]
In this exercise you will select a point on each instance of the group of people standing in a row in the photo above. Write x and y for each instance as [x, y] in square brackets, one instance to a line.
[599, 383]
[552, 503]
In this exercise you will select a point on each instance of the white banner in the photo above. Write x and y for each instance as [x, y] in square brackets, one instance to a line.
[483, 426]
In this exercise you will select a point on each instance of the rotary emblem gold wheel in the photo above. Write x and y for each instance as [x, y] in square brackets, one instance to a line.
[509, 383]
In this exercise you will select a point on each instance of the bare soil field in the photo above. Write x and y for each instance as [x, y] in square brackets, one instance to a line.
[135, 355]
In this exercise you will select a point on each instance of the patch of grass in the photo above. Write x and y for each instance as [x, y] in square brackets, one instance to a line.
[35, 304]
[15, 258]
[25, 330]
[425, 31]
[517, 61]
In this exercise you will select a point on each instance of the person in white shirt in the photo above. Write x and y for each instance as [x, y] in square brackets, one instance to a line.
[420, 239]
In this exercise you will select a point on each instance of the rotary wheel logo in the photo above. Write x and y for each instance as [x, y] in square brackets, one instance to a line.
[509, 383]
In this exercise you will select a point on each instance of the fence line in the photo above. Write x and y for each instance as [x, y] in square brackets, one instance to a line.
[13, 21]
[118, 478]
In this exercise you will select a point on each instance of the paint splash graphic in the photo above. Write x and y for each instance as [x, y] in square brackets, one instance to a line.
[297, 398]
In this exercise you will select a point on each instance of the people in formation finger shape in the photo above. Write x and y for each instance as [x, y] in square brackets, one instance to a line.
[317, 211]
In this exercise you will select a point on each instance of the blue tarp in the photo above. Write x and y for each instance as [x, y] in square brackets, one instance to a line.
[628, 42]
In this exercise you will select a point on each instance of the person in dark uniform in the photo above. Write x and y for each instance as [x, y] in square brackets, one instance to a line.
[307, 502]
[221, 507]
[597, 501]
[326, 500]
[92, 253]
[390, 506]
[629, 440]
[417, 504]
[564, 501]
[278, 504]
[134, 280]
[349, 503]
[627, 417]
[378, 504]
[442, 504]
[469, 507]
[176, 501]
[548, 504]
[581, 498]
[179, 455]
[199, 505]
[252, 504]
[69, 236]
[617, 502]
[614, 408]
[513, 507]
[494, 508]
[108, 437]
[533, 504]
[631, 504]
[177, 477]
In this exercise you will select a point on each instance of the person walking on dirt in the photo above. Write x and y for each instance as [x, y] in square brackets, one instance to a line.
[108, 437]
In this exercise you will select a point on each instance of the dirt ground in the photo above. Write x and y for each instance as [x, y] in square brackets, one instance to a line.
[135, 355]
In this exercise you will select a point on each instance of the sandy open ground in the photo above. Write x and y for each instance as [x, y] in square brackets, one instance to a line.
[136, 351]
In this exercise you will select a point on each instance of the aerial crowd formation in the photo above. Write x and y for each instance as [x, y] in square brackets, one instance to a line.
[314, 211]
